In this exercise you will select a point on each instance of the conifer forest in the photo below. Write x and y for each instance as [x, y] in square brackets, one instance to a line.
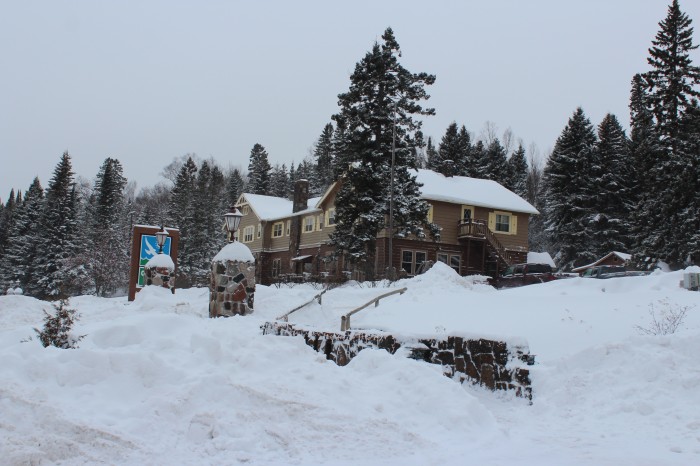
[602, 188]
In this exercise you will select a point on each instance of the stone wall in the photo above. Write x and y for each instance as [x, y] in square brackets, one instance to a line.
[485, 362]
[232, 288]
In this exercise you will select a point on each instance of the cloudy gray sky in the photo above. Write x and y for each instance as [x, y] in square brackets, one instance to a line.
[147, 81]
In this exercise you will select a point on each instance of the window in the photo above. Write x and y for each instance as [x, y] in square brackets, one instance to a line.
[330, 217]
[309, 223]
[277, 230]
[248, 234]
[245, 210]
[467, 213]
[276, 267]
[504, 223]
[259, 230]
[430, 213]
[289, 222]
[453, 260]
[320, 222]
[412, 260]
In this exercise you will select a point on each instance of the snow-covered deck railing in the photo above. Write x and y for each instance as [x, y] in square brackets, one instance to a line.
[345, 320]
[285, 317]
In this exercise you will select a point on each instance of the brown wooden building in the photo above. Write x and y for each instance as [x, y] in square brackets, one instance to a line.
[484, 228]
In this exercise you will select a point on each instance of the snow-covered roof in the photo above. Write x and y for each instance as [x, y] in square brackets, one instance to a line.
[622, 255]
[471, 191]
[234, 251]
[274, 208]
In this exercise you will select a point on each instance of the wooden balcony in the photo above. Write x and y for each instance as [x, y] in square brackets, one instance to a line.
[473, 229]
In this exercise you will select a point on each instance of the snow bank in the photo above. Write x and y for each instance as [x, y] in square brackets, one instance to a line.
[161, 261]
[157, 382]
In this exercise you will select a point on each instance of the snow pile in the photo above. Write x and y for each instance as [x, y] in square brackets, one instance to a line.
[157, 382]
[234, 251]
[161, 261]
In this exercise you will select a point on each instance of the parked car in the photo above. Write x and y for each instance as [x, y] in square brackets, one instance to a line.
[525, 274]
[610, 271]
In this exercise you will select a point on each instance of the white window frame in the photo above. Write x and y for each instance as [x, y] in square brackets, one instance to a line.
[331, 217]
[309, 224]
[277, 229]
[248, 233]
[500, 216]
[414, 264]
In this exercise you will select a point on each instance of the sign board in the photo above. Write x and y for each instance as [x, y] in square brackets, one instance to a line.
[143, 247]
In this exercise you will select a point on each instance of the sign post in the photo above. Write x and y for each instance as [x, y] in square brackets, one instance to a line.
[143, 247]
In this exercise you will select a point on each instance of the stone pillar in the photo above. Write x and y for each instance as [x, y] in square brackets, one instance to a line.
[232, 286]
[160, 271]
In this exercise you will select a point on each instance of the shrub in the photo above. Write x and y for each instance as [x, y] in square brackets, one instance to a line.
[666, 321]
[57, 328]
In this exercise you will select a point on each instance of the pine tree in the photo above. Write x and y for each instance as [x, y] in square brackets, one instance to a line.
[517, 168]
[323, 153]
[235, 186]
[279, 181]
[382, 99]
[17, 264]
[478, 166]
[181, 215]
[58, 230]
[671, 82]
[6, 218]
[448, 151]
[496, 166]
[464, 157]
[568, 200]
[432, 156]
[107, 258]
[259, 171]
[610, 189]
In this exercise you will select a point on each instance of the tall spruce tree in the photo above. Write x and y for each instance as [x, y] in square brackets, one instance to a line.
[672, 89]
[610, 189]
[383, 96]
[17, 265]
[279, 181]
[323, 153]
[235, 186]
[6, 220]
[518, 171]
[432, 156]
[568, 200]
[449, 151]
[496, 166]
[181, 214]
[59, 234]
[259, 169]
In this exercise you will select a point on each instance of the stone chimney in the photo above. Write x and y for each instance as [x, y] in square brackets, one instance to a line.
[301, 195]
[448, 168]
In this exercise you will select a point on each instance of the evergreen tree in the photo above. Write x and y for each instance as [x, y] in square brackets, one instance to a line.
[342, 158]
[279, 181]
[517, 168]
[448, 150]
[181, 214]
[323, 153]
[610, 189]
[259, 171]
[235, 186]
[107, 259]
[478, 166]
[382, 99]
[57, 242]
[496, 167]
[6, 217]
[671, 82]
[568, 200]
[464, 152]
[17, 264]
[432, 156]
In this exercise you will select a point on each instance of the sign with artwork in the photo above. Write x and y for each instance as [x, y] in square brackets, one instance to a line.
[144, 246]
[149, 248]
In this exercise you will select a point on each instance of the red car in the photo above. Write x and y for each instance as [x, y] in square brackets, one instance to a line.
[524, 274]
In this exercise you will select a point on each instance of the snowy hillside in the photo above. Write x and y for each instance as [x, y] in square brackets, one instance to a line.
[157, 382]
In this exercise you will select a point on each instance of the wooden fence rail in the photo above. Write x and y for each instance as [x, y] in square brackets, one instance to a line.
[345, 320]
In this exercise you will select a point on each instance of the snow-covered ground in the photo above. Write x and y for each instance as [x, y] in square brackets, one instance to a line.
[156, 382]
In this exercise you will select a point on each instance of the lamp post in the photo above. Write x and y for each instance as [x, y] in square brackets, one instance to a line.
[233, 220]
[391, 197]
[160, 239]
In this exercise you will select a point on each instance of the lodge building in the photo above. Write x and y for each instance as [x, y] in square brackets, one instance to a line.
[484, 228]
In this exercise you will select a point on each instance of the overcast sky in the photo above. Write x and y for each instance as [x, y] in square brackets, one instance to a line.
[147, 81]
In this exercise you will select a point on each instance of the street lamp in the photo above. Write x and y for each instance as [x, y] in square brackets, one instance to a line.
[160, 239]
[232, 219]
[391, 196]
